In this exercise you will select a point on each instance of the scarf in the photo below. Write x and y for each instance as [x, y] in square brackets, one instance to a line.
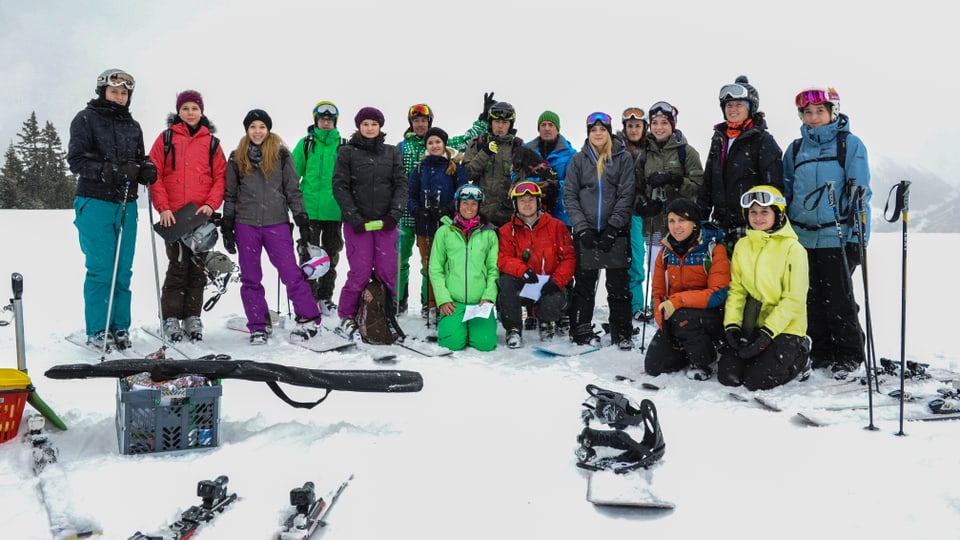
[734, 129]
[466, 224]
[254, 153]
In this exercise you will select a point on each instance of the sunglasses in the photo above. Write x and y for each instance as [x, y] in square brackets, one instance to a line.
[119, 78]
[815, 97]
[633, 113]
[326, 109]
[733, 91]
[470, 192]
[526, 188]
[664, 108]
[419, 110]
[763, 198]
[603, 118]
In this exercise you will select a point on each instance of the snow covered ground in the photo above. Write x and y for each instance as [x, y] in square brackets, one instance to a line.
[486, 449]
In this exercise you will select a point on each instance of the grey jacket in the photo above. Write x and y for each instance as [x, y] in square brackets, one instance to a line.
[255, 200]
[597, 205]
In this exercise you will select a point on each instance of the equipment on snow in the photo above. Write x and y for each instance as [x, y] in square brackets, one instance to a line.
[616, 410]
[215, 500]
[318, 265]
[310, 511]
[901, 207]
[320, 343]
[376, 319]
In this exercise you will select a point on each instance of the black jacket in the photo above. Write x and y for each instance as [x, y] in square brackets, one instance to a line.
[368, 181]
[103, 132]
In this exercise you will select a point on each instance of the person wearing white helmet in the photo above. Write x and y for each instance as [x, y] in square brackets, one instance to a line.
[827, 156]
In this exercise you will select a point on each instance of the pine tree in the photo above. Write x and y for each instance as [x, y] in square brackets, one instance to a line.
[34, 173]
[12, 172]
[59, 183]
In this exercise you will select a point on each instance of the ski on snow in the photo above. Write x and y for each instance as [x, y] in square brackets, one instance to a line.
[322, 343]
[310, 511]
[215, 500]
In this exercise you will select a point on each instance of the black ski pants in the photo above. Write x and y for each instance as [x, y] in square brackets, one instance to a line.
[326, 234]
[182, 293]
[617, 281]
[689, 341]
[549, 308]
[832, 311]
[778, 364]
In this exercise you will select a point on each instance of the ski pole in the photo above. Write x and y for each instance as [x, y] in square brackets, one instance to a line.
[116, 269]
[859, 200]
[901, 207]
[156, 276]
[646, 297]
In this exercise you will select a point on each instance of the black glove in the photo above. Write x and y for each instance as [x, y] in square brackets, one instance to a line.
[488, 102]
[303, 223]
[853, 255]
[422, 215]
[648, 207]
[607, 238]
[734, 337]
[229, 238]
[661, 179]
[109, 173]
[762, 341]
[529, 276]
[130, 171]
[550, 287]
[490, 147]
[588, 238]
[148, 173]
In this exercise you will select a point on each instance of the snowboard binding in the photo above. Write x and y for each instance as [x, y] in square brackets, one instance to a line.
[616, 410]
[612, 408]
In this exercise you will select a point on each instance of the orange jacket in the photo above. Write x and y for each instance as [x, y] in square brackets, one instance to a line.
[550, 244]
[689, 283]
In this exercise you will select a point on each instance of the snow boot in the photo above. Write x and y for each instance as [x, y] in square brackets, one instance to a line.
[96, 341]
[548, 330]
[121, 339]
[304, 331]
[583, 334]
[514, 340]
[346, 329]
[258, 337]
[172, 329]
[327, 307]
[193, 327]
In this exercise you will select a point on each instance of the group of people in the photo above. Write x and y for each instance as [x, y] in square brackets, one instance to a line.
[750, 260]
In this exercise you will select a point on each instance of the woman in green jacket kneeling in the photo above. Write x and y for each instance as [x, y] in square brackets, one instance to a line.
[463, 272]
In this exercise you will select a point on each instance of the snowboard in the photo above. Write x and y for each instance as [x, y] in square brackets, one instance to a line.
[563, 349]
[186, 348]
[633, 489]
[325, 342]
[187, 220]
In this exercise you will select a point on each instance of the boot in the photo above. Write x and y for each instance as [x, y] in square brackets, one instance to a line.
[172, 329]
[193, 327]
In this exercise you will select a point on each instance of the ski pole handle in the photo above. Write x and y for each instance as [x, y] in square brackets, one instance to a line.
[17, 283]
[831, 195]
[903, 195]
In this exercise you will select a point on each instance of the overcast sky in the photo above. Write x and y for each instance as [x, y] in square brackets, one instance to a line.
[894, 67]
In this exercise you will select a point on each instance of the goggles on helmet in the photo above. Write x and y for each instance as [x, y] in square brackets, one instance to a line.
[525, 188]
[502, 115]
[601, 117]
[469, 192]
[326, 109]
[664, 108]
[633, 113]
[420, 109]
[816, 97]
[116, 78]
[763, 198]
[732, 92]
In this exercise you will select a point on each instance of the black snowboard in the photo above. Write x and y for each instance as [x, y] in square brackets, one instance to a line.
[187, 220]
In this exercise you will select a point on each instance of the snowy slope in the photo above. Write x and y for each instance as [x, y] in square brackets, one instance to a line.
[485, 450]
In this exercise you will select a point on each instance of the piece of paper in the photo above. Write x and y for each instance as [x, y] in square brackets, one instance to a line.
[532, 290]
[481, 311]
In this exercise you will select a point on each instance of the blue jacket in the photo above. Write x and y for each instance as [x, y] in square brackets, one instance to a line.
[558, 160]
[815, 226]
[429, 186]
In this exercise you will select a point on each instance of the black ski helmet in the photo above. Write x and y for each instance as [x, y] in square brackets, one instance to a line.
[502, 110]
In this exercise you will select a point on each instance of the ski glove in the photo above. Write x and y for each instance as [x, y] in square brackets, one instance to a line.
[360, 228]
[607, 238]
[422, 215]
[303, 223]
[588, 238]
[148, 173]
[130, 171]
[661, 179]
[550, 287]
[229, 238]
[108, 174]
[648, 207]
[529, 276]
[389, 223]
[488, 102]
[490, 148]
[762, 341]
[734, 337]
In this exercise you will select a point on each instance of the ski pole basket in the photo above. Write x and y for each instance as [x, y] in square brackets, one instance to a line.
[154, 420]
[15, 388]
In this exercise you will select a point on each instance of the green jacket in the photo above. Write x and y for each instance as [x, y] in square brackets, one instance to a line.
[667, 159]
[464, 270]
[315, 171]
[772, 268]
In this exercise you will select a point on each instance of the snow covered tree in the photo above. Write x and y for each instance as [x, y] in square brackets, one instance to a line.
[35, 172]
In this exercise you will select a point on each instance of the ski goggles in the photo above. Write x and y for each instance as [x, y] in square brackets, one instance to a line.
[814, 97]
[118, 78]
[467, 193]
[501, 115]
[601, 117]
[421, 109]
[633, 113]
[526, 188]
[763, 198]
[326, 109]
[664, 108]
[732, 92]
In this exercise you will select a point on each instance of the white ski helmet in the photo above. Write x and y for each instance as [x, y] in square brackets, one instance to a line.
[318, 265]
[817, 95]
[201, 239]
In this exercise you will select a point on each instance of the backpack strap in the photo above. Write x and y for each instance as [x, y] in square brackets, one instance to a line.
[841, 156]
[167, 146]
[214, 143]
[308, 144]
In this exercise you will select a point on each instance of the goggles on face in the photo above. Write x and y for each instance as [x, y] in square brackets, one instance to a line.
[526, 188]
[470, 192]
[420, 109]
[119, 78]
[326, 109]
[633, 113]
[664, 108]
[815, 97]
[763, 198]
[501, 115]
[603, 118]
[733, 92]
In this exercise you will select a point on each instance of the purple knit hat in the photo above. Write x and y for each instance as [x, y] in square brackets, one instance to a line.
[187, 96]
[368, 113]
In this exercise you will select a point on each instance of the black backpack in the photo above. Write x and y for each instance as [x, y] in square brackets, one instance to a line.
[309, 143]
[168, 145]
[841, 156]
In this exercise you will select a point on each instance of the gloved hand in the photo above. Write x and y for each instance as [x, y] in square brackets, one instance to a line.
[490, 148]
[648, 207]
[360, 228]
[227, 233]
[667, 309]
[734, 337]
[109, 173]
[529, 276]
[661, 179]
[762, 341]
[488, 102]
[130, 171]
[389, 223]
[422, 215]
[303, 223]
[607, 237]
[550, 287]
[148, 173]
[588, 238]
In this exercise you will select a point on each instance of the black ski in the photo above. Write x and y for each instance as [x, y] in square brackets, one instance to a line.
[215, 500]
[310, 511]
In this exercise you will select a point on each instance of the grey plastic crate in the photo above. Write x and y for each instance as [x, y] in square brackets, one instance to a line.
[151, 421]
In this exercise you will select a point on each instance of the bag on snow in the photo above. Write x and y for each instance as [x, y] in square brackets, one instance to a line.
[376, 319]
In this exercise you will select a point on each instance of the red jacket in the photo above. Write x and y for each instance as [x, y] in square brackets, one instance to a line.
[550, 245]
[192, 180]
